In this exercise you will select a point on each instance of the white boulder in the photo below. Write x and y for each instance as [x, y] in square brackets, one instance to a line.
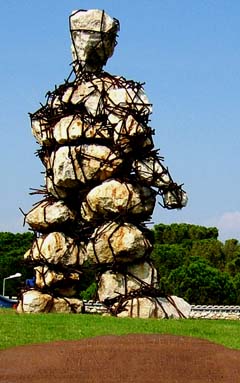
[49, 214]
[33, 301]
[41, 131]
[151, 172]
[137, 275]
[57, 248]
[115, 197]
[93, 35]
[74, 165]
[148, 307]
[71, 128]
[113, 242]
[175, 198]
[131, 98]
[67, 305]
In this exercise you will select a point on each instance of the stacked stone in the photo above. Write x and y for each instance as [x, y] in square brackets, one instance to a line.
[102, 176]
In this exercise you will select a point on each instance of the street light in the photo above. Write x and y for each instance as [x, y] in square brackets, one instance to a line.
[17, 275]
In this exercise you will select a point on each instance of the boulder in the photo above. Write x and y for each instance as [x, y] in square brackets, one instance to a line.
[137, 275]
[46, 277]
[93, 35]
[175, 198]
[151, 172]
[89, 95]
[142, 273]
[114, 198]
[86, 99]
[67, 305]
[65, 167]
[33, 301]
[57, 248]
[71, 128]
[74, 165]
[132, 98]
[48, 214]
[130, 134]
[56, 191]
[113, 242]
[41, 131]
[156, 308]
[94, 20]
[98, 162]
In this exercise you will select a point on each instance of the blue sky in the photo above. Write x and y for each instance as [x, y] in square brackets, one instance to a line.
[188, 54]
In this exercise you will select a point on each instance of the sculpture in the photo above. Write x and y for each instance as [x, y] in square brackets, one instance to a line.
[102, 179]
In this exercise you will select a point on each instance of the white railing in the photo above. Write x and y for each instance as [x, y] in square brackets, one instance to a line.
[197, 311]
[215, 311]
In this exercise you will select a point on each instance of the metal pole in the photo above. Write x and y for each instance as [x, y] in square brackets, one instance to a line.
[17, 275]
[4, 286]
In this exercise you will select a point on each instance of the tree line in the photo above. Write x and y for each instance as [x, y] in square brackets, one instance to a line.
[191, 262]
[194, 264]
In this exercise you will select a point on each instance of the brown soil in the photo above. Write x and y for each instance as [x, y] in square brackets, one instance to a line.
[128, 358]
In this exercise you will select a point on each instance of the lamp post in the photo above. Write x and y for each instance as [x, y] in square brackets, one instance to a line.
[17, 275]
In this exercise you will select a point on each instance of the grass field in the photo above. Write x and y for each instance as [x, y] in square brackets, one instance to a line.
[22, 329]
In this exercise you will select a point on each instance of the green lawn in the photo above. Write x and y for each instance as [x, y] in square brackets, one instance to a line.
[18, 329]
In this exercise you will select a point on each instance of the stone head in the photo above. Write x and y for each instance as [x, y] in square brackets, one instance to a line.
[93, 35]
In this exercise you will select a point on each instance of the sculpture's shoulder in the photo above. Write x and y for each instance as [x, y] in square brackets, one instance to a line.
[116, 81]
[92, 92]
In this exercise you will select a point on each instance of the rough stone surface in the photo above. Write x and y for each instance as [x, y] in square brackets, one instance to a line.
[34, 301]
[149, 308]
[115, 242]
[113, 198]
[56, 248]
[129, 134]
[49, 214]
[41, 131]
[74, 165]
[55, 191]
[66, 170]
[175, 199]
[151, 172]
[134, 99]
[72, 128]
[89, 94]
[67, 305]
[112, 284]
[91, 20]
[183, 306]
[46, 277]
[93, 36]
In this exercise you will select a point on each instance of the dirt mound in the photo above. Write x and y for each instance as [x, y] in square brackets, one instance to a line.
[128, 358]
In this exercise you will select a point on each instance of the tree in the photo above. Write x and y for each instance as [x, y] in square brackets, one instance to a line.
[12, 249]
[236, 281]
[193, 263]
[167, 257]
[232, 255]
[199, 283]
[179, 233]
[210, 249]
